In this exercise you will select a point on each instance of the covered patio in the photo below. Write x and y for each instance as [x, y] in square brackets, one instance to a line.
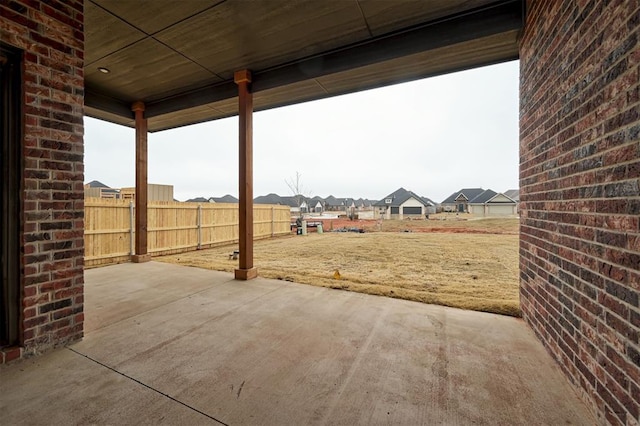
[157, 65]
[167, 344]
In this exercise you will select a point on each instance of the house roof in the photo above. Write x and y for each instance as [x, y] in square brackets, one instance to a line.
[391, 197]
[330, 201]
[272, 198]
[268, 199]
[483, 197]
[228, 198]
[490, 196]
[333, 201]
[292, 201]
[429, 201]
[197, 200]
[399, 196]
[97, 184]
[514, 194]
[179, 57]
[469, 193]
[224, 199]
[360, 202]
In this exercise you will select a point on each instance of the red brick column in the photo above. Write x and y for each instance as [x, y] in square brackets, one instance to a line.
[580, 195]
[50, 34]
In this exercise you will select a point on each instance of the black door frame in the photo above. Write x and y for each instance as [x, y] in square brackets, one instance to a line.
[11, 184]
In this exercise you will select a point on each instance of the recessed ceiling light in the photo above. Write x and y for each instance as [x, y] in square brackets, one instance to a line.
[104, 70]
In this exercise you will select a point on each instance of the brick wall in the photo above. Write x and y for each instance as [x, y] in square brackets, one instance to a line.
[51, 36]
[580, 195]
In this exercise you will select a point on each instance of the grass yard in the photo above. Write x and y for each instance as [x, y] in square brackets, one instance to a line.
[475, 269]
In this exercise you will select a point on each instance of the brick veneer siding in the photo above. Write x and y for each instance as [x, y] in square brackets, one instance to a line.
[580, 195]
[51, 36]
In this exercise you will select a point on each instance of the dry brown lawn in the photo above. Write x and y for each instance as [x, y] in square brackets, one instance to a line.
[476, 269]
[443, 222]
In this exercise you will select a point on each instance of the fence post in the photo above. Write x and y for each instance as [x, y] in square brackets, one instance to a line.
[199, 220]
[131, 228]
[273, 218]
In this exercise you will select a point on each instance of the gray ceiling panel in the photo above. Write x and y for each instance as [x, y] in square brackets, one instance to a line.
[146, 70]
[105, 33]
[262, 34]
[154, 15]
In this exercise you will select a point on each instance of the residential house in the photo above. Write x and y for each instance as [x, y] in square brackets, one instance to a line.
[318, 205]
[100, 190]
[514, 194]
[432, 205]
[155, 192]
[365, 209]
[296, 204]
[491, 203]
[459, 200]
[404, 204]
[333, 204]
[315, 204]
[349, 206]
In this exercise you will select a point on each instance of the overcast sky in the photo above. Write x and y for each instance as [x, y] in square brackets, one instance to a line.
[432, 136]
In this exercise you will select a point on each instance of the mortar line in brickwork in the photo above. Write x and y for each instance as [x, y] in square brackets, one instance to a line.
[147, 386]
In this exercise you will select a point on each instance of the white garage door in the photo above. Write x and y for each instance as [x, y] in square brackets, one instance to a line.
[476, 210]
[500, 210]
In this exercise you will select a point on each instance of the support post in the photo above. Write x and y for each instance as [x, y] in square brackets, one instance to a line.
[246, 270]
[199, 225]
[131, 227]
[141, 185]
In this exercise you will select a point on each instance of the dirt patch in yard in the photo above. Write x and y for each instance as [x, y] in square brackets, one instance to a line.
[472, 267]
[448, 223]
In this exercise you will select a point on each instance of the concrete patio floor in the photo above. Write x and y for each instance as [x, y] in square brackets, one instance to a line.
[167, 344]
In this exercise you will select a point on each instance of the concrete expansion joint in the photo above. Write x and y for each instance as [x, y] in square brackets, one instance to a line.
[146, 386]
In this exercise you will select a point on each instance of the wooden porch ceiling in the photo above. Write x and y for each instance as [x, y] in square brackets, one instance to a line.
[179, 57]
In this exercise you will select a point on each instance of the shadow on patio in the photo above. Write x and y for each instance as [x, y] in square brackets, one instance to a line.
[177, 345]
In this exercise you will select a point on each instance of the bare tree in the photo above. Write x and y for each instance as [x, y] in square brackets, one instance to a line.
[299, 192]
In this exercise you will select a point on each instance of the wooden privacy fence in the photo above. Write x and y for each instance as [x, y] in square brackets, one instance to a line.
[172, 227]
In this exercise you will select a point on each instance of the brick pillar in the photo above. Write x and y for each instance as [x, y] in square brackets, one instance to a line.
[50, 37]
[580, 195]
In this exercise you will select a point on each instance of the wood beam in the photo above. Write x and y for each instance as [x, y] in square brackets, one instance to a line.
[246, 270]
[102, 102]
[141, 254]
